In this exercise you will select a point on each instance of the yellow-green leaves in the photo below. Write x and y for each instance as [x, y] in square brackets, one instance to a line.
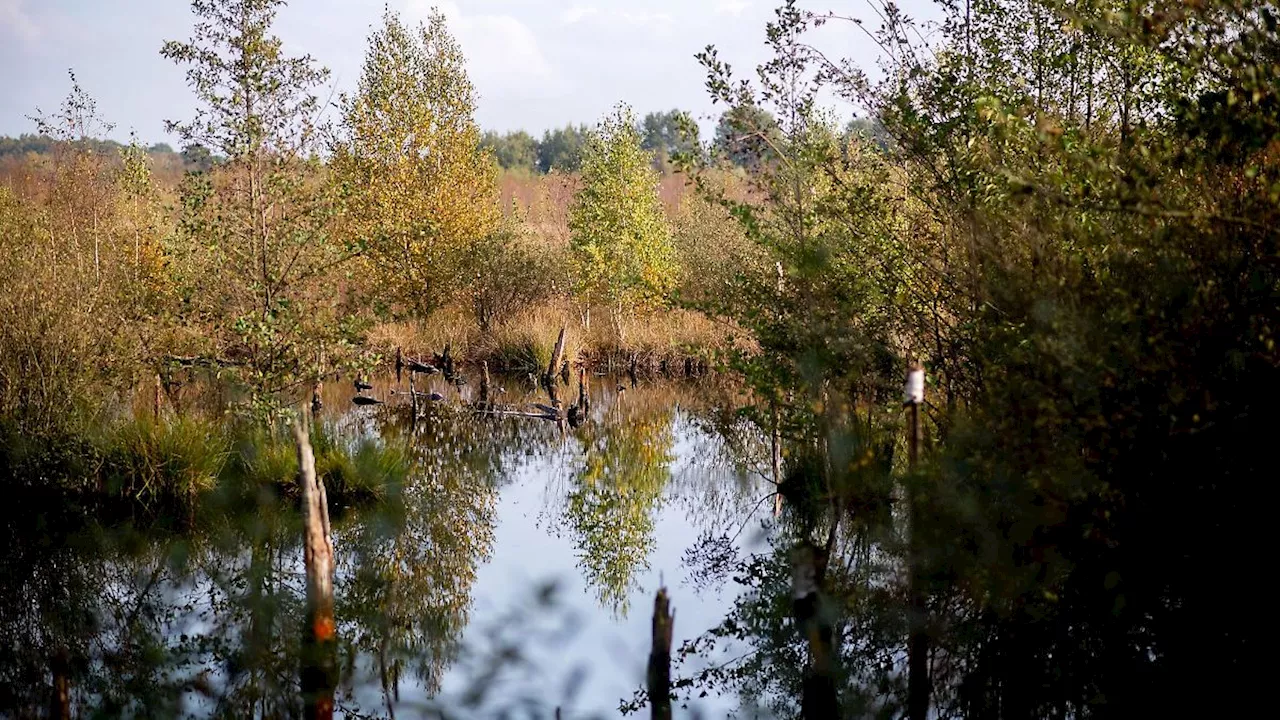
[622, 246]
[418, 187]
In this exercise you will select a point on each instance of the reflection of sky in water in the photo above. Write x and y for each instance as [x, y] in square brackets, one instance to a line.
[182, 591]
[573, 652]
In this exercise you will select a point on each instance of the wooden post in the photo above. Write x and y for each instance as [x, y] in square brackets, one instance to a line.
[484, 384]
[918, 683]
[584, 398]
[808, 569]
[631, 371]
[557, 357]
[399, 364]
[659, 675]
[319, 672]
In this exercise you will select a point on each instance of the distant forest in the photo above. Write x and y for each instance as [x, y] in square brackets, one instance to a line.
[665, 135]
[194, 158]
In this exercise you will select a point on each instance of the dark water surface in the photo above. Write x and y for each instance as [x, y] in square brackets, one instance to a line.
[514, 572]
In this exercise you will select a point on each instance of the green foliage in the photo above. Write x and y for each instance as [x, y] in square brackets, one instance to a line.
[511, 274]
[664, 136]
[513, 151]
[257, 242]
[611, 507]
[418, 187]
[164, 465]
[562, 149]
[746, 136]
[620, 239]
[1068, 228]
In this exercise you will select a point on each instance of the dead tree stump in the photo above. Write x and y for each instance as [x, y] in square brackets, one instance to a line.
[659, 674]
[319, 671]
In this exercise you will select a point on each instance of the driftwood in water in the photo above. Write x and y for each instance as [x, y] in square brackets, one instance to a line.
[659, 674]
[919, 686]
[319, 672]
[506, 412]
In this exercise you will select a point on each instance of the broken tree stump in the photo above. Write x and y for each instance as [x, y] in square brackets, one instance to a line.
[319, 671]
[659, 674]
[557, 357]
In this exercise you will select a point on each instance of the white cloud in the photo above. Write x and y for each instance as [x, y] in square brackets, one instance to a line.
[15, 20]
[617, 17]
[642, 19]
[731, 7]
[503, 54]
[577, 14]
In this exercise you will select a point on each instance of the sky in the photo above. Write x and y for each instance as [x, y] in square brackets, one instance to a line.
[536, 64]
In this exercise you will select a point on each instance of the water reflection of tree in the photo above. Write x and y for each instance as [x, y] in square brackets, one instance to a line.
[409, 574]
[149, 624]
[610, 507]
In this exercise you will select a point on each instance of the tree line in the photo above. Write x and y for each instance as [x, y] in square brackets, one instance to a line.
[667, 136]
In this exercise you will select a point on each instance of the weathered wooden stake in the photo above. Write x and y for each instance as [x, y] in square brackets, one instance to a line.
[484, 384]
[399, 364]
[660, 657]
[319, 672]
[918, 683]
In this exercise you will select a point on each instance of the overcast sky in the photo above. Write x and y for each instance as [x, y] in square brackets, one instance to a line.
[536, 63]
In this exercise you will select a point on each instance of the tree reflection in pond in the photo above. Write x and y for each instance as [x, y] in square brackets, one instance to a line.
[142, 621]
[611, 505]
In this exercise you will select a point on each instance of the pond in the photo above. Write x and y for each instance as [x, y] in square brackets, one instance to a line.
[512, 572]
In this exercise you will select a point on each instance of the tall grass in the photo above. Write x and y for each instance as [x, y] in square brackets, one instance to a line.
[165, 463]
[525, 341]
[172, 466]
[354, 471]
